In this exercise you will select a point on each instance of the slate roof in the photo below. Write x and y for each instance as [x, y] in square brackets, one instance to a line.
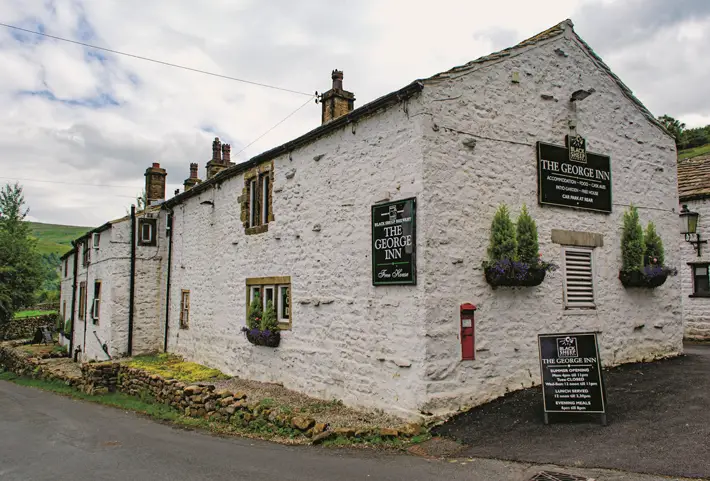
[694, 178]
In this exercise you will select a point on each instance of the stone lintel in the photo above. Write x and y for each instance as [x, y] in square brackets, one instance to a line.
[575, 238]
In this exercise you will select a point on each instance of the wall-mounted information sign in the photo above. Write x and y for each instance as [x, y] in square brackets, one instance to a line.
[394, 242]
[572, 177]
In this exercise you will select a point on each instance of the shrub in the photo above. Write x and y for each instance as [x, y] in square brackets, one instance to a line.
[632, 245]
[527, 237]
[503, 244]
[269, 321]
[255, 314]
[654, 246]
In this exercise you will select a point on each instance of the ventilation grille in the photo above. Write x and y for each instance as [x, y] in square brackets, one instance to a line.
[579, 283]
[553, 476]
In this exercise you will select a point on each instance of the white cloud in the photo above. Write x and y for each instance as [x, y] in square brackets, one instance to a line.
[72, 116]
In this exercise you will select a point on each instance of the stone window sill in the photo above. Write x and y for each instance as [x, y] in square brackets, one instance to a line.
[259, 229]
[700, 295]
[580, 312]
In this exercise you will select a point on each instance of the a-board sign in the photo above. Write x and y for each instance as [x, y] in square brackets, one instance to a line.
[394, 242]
[571, 374]
[572, 177]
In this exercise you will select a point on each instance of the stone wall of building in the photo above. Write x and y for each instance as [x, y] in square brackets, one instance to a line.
[25, 328]
[696, 310]
[481, 132]
[349, 340]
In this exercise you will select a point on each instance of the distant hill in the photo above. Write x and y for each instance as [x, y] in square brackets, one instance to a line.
[55, 239]
[695, 152]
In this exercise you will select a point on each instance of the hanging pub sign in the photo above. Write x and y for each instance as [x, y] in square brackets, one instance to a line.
[572, 177]
[394, 242]
[571, 374]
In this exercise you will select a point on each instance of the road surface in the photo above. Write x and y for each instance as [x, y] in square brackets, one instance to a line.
[44, 436]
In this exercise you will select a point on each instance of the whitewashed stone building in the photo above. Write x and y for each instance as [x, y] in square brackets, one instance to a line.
[694, 193]
[294, 224]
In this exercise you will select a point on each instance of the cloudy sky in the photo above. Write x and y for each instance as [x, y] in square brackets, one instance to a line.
[87, 123]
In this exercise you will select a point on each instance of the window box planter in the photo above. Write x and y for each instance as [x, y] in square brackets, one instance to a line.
[263, 338]
[513, 273]
[649, 277]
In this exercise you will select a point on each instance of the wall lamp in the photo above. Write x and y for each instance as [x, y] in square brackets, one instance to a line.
[689, 227]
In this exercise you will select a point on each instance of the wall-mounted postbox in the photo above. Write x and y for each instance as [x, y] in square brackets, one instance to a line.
[467, 335]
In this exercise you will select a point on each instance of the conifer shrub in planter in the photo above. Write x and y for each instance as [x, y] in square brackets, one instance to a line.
[262, 327]
[513, 253]
[642, 254]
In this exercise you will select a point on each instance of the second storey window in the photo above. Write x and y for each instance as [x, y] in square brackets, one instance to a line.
[256, 199]
[701, 280]
[578, 278]
[66, 267]
[147, 232]
[96, 305]
[87, 254]
[185, 309]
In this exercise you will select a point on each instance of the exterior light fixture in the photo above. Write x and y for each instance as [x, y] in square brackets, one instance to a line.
[689, 227]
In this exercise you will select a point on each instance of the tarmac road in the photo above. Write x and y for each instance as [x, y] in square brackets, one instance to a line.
[44, 436]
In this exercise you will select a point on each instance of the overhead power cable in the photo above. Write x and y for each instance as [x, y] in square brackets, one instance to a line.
[117, 52]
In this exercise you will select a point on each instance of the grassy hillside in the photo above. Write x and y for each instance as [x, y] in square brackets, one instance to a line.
[55, 239]
[690, 153]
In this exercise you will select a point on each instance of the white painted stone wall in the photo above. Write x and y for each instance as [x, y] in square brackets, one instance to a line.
[349, 340]
[463, 187]
[696, 310]
[66, 293]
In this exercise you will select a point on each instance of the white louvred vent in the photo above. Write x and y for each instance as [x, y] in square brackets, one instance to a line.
[579, 278]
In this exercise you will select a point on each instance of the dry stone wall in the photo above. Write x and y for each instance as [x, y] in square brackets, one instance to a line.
[25, 328]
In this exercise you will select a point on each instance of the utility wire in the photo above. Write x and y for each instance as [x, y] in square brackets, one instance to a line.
[155, 61]
[279, 123]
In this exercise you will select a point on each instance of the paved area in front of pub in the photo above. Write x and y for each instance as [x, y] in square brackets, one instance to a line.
[659, 422]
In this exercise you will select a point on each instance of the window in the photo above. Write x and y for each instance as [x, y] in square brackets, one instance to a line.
[66, 267]
[274, 289]
[578, 278]
[95, 239]
[185, 309]
[82, 300]
[96, 306]
[701, 280]
[257, 205]
[64, 311]
[87, 254]
[146, 232]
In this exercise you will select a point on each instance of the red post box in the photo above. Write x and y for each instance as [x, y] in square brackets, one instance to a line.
[467, 336]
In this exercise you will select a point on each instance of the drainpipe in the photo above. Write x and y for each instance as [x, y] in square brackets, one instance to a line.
[132, 285]
[86, 301]
[167, 287]
[73, 299]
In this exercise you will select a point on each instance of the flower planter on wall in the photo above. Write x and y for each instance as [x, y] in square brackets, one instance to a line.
[510, 273]
[649, 278]
[263, 338]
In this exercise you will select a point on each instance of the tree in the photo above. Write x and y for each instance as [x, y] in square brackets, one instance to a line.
[654, 246]
[503, 243]
[674, 127]
[20, 263]
[254, 318]
[526, 227]
[632, 245]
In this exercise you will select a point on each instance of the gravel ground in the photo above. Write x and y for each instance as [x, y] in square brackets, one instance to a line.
[331, 412]
[659, 422]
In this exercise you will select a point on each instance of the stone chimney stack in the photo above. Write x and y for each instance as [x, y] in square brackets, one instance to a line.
[216, 165]
[336, 102]
[193, 180]
[155, 183]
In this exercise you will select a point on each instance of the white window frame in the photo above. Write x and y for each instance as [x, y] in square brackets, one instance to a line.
[95, 240]
[274, 300]
[251, 293]
[592, 259]
[252, 201]
[184, 309]
[279, 315]
[265, 199]
[96, 304]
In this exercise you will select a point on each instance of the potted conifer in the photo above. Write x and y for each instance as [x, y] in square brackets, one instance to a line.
[262, 328]
[642, 254]
[513, 253]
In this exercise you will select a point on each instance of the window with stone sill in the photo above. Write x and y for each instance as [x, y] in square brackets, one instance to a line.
[184, 309]
[274, 289]
[256, 199]
[87, 254]
[82, 300]
[96, 305]
[147, 229]
[701, 279]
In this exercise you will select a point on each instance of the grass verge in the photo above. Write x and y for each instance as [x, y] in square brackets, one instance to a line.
[690, 153]
[171, 366]
[26, 314]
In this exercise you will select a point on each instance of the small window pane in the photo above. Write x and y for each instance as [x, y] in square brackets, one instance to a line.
[265, 200]
[701, 281]
[268, 295]
[284, 304]
[253, 212]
